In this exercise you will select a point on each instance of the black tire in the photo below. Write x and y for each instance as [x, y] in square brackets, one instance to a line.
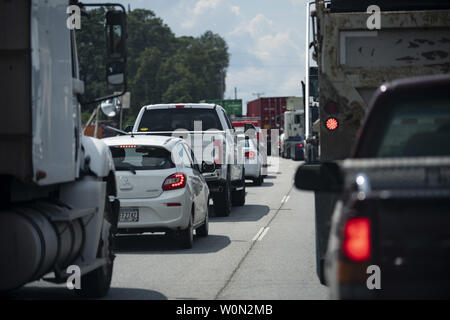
[186, 236]
[97, 283]
[258, 181]
[222, 201]
[238, 196]
[203, 230]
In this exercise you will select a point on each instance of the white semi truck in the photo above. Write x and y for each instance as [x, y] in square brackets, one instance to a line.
[58, 211]
[357, 48]
[293, 132]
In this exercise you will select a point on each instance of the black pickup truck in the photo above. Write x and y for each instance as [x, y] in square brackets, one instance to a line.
[390, 230]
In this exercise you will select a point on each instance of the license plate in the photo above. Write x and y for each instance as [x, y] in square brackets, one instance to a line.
[129, 215]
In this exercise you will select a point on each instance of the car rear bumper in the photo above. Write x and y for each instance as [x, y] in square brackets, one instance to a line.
[155, 214]
[252, 170]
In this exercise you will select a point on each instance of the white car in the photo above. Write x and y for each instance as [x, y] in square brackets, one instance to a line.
[160, 187]
[253, 161]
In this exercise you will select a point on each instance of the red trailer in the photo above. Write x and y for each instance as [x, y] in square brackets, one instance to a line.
[269, 110]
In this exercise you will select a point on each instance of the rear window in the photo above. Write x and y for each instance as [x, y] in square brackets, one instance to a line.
[417, 128]
[141, 158]
[182, 118]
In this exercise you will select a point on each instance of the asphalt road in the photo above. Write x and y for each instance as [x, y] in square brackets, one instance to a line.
[263, 250]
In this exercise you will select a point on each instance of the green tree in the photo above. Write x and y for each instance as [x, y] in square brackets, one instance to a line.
[161, 67]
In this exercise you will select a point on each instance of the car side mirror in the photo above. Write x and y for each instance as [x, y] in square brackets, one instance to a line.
[208, 167]
[325, 177]
[116, 44]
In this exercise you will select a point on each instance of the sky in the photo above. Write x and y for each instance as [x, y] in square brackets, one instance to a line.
[266, 40]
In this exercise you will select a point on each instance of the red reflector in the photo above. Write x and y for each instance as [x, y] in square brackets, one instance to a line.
[179, 106]
[332, 124]
[331, 107]
[175, 181]
[250, 154]
[171, 204]
[356, 244]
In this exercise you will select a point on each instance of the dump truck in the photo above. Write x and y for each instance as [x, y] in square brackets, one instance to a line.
[358, 46]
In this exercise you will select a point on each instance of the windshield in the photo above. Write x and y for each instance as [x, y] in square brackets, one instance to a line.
[141, 158]
[418, 128]
[182, 118]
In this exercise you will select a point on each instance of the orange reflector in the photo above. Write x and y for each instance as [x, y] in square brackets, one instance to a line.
[41, 175]
[332, 124]
[350, 272]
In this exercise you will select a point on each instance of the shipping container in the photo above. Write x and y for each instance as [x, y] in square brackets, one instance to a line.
[270, 112]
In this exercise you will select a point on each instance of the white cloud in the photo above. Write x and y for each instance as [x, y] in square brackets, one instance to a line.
[236, 10]
[205, 6]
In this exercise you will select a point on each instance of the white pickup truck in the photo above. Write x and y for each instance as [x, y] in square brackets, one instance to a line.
[212, 137]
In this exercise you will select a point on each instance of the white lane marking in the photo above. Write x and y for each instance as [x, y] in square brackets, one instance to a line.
[285, 199]
[257, 235]
[263, 234]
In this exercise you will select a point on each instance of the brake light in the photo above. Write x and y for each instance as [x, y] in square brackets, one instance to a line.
[175, 181]
[332, 124]
[356, 243]
[250, 154]
[279, 143]
[300, 145]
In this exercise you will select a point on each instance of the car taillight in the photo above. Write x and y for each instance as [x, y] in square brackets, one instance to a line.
[332, 124]
[356, 245]
[175, 181]
[279, 143]
[300, 145]
[250, 154]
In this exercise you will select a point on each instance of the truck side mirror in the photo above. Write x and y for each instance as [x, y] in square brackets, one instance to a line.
[116, 44]
[319, 177]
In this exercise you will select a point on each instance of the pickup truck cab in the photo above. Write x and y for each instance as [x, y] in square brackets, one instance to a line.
[394, 193]
[210, 134]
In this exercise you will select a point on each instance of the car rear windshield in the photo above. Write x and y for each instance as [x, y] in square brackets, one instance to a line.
[417, 128]
[129, 157]
[154, 120]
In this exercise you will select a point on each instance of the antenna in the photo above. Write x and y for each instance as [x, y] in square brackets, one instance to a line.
[258, 94]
